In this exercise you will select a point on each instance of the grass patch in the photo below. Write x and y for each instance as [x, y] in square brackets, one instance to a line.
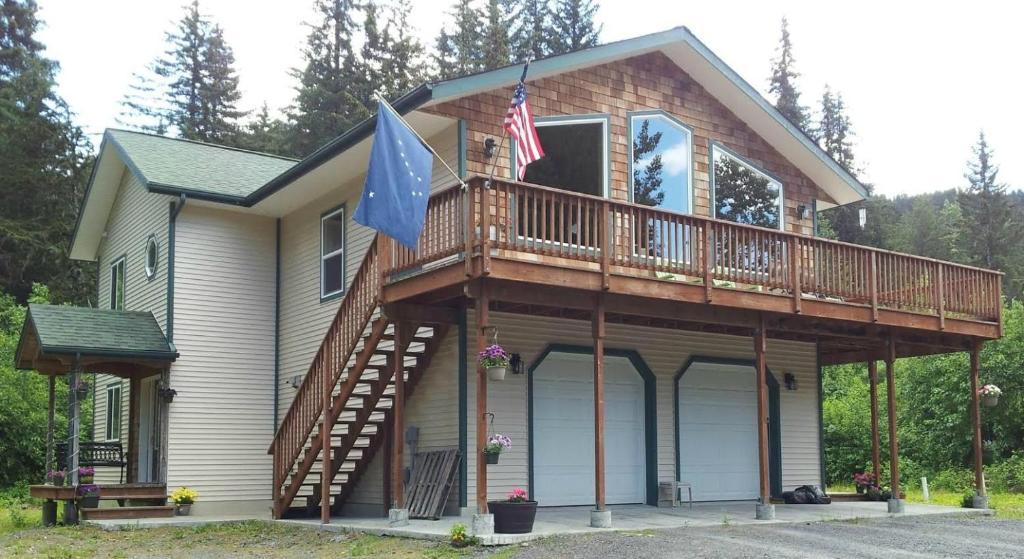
[1006, 505]
[240, 539]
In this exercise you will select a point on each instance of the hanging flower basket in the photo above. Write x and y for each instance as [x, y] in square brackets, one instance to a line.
[514, 515]
[88, 496]
[81, 389]
[990, 395]
[496, 444]
[86, 474]
[495, 359]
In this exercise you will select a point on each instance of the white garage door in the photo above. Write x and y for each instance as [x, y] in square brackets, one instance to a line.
[718, 431]
[563, 431]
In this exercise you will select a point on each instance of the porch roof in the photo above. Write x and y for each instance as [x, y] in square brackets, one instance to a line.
[112, 341]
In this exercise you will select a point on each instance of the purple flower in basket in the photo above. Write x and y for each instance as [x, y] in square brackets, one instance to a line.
[86, 471]
[88, 489]
[497, 443]
[493, 356]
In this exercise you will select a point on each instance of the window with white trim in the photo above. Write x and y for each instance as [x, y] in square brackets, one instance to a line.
[332, 253]
[113, 412]
[152, 256]
[661, 151]
[575, 154]
[117, 284]
[744, 193]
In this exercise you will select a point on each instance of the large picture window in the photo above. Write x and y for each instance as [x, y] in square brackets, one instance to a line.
[661, 152]
[332, 253]
[744, 193]
[113, 431]
[575, 154]
[117, 284]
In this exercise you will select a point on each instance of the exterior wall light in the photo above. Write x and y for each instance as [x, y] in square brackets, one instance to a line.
[790, 381]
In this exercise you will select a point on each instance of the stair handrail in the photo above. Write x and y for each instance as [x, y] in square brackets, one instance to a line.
[354, 314]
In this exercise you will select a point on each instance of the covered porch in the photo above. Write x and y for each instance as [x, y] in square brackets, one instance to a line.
[65, 341]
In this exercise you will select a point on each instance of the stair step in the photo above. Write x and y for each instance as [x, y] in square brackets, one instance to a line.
[111, 513]
[415, 339]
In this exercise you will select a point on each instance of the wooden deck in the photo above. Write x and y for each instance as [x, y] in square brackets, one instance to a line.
[691, 271]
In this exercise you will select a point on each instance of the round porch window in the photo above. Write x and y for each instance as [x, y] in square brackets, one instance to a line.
[152, 253]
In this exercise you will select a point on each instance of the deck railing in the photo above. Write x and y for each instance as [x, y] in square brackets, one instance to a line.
[631, 239]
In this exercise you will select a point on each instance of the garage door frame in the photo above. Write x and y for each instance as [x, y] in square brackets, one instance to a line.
[774, 423]
[650, 410]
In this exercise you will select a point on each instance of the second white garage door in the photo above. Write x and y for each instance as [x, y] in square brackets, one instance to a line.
[563, 431]
[718, 431]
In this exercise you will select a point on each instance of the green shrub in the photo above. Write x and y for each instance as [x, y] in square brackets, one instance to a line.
[1008, 475]
[957, 480]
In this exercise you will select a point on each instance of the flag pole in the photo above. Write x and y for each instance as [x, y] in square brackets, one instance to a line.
[385, 103]
[504, 132]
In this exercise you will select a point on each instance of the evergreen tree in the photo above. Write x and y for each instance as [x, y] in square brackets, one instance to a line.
[460, 52]
[834, 132]
[924, 231]
[218, 93]
[43, 165]
[372, 55]
[783, 83]
[326, 105]
[532, 33]
[266, 134]
[402, 69]
[647, 182]
[991, 231]
[573, 26]
[497, 48]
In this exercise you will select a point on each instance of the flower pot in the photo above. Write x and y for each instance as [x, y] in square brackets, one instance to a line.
[85, 479]
[860, 489]
[89, 502]
[989, 401]
[513, 518]
[492, 458]
[496, 373]
[183, 510]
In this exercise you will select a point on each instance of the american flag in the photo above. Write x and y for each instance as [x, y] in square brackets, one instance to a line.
[519, 125]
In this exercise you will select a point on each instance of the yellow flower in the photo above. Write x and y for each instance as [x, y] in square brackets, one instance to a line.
[184, 496]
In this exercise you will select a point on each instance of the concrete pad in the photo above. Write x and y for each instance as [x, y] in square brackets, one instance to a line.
[555, 521]
[170, 522]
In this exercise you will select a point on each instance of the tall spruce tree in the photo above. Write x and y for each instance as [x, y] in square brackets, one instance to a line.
[403, 68]
[783, 83]
[573, 25]
[532, 33]
[991, 231]
[460, 52]
[266, 134]
[326, 104]
[834, 131]
[191, 91]
[43, 166]
[497, 48]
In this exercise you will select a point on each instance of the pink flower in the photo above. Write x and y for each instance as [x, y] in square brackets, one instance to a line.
[517, 495]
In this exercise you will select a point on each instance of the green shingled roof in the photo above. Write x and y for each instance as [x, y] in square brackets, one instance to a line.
[195, 166]
[65, 330]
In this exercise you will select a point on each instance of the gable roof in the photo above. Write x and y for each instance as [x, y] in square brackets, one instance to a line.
[65, 330]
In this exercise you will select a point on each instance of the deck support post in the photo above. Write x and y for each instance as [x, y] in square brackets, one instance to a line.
[134, 401]
[980, 500]
[876, 450]
[74, 429]
[483, 522]
[398, 515]
[325, 439]
[765, 509]
[600, 517]
[50, 425]
[895, 503]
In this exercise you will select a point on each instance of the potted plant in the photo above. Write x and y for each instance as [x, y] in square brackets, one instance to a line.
[86, 474]
[56, 477]
[495, 360]
[81, 389]
[874, 493]
[514, 515]
[989, 395]
[88, 496]
[183, 497]
[459, 537]
[496, 444]
[863, 480]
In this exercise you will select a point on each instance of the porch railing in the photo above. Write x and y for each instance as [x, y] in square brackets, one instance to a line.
[621, 238]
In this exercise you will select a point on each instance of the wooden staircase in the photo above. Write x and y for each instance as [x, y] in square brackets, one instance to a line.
[347, 397]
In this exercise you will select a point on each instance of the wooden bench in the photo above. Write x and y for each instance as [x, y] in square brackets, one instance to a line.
[96, 454]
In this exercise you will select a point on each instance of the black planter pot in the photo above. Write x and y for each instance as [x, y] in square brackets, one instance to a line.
[513, 518]
[89, 502]
[491, 458]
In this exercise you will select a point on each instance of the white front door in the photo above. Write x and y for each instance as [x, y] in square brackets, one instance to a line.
[718, 431]
[147, 423]
[563, 431]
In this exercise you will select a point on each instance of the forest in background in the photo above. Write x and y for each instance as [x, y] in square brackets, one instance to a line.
[356, 48]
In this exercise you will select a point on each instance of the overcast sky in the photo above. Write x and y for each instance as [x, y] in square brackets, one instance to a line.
[920, 80]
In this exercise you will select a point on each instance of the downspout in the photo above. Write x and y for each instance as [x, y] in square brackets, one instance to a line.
[175, 209]
[277, 325]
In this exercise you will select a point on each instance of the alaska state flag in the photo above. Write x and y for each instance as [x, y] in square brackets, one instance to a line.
[397, 185]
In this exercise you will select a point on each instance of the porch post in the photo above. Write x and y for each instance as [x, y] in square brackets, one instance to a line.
[600, 517]
[134, 395]
[765, 509]
[50, 426]
[74, 408]
[398, 515]
[980, 500]
[483, 522]
[326, 449]
[876, 451]
[895, 503]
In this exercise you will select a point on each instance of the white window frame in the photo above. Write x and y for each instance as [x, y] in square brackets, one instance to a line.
[113, 430]
[660, 114]
[122, 263]
[717, 149]
[151, 267]
[324, 294]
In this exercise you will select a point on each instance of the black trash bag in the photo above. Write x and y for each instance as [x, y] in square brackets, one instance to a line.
[806, 495]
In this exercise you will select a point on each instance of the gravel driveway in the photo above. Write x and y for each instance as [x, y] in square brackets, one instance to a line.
[934, 536]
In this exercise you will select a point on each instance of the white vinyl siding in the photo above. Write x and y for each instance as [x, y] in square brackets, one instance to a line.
[135, 216]
[220, 421]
